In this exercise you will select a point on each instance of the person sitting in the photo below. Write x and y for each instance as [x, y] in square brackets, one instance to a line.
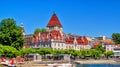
[22, 60]
[12, 63]
[4, 62]
[2, 59]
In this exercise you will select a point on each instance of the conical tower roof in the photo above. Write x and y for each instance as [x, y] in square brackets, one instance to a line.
[54, 21]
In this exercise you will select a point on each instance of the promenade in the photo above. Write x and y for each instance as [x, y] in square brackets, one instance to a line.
[44, 64]
[36, 64]
[60, 63]
[96, 62]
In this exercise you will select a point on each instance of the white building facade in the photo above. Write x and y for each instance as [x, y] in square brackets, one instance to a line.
[55, 39]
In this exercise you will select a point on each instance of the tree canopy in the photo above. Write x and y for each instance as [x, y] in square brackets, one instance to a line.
[11, 34]
[100, 48]
[8, 51]
[38, 30]
[43, 51]
[108, 53]
[116, 38]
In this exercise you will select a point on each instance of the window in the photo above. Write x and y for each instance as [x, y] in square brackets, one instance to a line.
[58, 45]
[41, 45]
[55, 44]
[72, 46]
[59, 28]
[62, 45]
[48, 45]
[66, 46]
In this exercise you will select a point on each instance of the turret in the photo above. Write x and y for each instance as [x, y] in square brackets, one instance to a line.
[54, 24]
[22, 26]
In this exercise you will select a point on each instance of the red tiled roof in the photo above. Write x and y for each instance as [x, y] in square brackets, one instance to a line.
[107, 41]
[48, 35]
[85, 40]
[56, 35]
[95, 44]
[81, 40]
[54, 21]
[69, 40]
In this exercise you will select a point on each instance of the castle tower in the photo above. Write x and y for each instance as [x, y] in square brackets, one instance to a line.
[54, 24]
[22, 26]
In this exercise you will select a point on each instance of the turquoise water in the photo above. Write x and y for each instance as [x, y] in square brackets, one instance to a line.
[98, 65]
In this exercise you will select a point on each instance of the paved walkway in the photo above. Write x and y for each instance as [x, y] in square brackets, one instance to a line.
[96, 62]
[31, 64]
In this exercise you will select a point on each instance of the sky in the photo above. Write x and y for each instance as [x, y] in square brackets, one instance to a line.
[81, 17]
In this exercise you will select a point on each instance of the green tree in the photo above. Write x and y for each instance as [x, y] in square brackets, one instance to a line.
[74, 52]
[1, 50]
[97, 54]
[38, 30]
[43, 30]
[43, 51]
[108, 53]
[27, 51]
[23, 52]
[61, 51]
[11, 34]
[9, 51]
[100, 48]
[30, 50]
[83, 53]
[91, 53]
[55, 52]
[66, 51]
[116, 38]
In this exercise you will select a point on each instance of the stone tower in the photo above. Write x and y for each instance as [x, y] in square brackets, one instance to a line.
[54, 24]
[22, 26]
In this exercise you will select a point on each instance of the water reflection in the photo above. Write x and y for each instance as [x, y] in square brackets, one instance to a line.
[98, 65]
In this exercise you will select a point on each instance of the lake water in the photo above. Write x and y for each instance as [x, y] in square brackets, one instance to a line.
[98, 65]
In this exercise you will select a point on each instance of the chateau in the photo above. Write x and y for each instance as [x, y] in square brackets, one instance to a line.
[55, 38]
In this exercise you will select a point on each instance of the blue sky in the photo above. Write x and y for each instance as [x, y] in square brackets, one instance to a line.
[81, 17]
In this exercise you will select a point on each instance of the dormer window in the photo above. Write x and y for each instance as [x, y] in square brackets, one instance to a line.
[59, 28]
